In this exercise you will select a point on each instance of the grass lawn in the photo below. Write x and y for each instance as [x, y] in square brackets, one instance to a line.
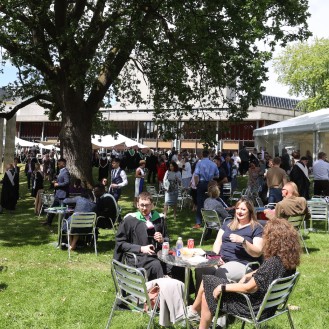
[40, 288]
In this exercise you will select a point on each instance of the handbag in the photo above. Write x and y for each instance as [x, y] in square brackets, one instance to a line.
[153, 295]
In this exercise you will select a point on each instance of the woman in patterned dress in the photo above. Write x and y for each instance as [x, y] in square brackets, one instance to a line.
[171, 184]
[282, 255]
[139, 180]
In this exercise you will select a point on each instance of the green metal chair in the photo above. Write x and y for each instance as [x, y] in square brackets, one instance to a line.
[277, 295]
[81, 223]
[297, 222]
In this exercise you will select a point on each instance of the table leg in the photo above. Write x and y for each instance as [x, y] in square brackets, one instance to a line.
[186, 292]
[59, 229]
[186, 288]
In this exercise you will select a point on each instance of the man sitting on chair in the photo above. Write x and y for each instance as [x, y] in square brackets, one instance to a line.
[143, 233]
[291, 205]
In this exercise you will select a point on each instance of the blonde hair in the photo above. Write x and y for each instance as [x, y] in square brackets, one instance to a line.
[234, 225]
[213, 191]
[294, 188]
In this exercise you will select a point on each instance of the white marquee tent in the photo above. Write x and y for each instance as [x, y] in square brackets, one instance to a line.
[118, 142]
[306, 132]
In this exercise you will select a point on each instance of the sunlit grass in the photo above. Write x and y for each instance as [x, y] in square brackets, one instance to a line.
[40, 288]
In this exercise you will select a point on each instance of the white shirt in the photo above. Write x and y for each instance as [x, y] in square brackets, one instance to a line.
[321, 170]
[236, 160]
[187, 171]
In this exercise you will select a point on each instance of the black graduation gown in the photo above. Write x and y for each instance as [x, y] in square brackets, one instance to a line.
[131, 235]
[37, 183]
[303, 184]
[8, 194]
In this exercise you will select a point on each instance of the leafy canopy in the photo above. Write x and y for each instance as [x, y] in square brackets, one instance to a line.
[304, 67]
[186, 52]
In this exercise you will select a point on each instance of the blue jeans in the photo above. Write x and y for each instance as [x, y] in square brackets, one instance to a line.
[200, 198]
[275, 195]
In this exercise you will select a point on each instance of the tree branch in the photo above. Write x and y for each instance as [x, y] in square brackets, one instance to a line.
[10, 114]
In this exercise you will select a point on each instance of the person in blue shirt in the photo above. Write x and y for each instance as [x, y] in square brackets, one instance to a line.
[205, 171]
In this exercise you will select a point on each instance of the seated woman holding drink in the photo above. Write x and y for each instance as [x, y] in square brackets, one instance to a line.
[238, 242]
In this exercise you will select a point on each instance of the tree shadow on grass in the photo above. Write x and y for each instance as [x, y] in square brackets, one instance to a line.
[3, 286]
[22, 227]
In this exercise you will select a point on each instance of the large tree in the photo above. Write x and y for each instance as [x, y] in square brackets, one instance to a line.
[304, 67]
[73, 56]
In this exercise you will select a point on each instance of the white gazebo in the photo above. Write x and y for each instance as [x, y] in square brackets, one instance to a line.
[306, 132]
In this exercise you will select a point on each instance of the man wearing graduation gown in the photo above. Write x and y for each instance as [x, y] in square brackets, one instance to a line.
[143, 233]
[299, 175]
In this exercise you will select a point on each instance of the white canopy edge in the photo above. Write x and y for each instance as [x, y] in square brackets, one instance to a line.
[313, 121]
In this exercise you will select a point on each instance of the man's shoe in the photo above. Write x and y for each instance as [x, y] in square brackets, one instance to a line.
[196, 226]
[191, 315]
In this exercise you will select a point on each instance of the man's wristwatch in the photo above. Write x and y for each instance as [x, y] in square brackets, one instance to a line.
[244, 242]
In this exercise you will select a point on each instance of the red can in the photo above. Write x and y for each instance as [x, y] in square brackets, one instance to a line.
[190, 243]
[165, 249]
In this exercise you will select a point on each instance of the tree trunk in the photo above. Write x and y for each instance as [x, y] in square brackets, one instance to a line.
[75, 137]
[9, 142]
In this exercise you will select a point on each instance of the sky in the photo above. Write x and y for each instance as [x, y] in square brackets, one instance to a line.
[318, 21]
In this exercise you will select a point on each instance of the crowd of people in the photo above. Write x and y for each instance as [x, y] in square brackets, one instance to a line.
[240, 240]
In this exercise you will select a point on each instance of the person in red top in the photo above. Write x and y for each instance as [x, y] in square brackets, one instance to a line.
[161, 169]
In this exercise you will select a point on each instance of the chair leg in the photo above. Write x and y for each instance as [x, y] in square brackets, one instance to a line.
[95, 243]
[290, 320]
[203, 232]
[303, 241]
[153, 312]
[68, 244]
[111, 314]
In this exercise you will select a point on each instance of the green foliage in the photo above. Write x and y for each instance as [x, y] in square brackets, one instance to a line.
[304, 67]
[186, 52]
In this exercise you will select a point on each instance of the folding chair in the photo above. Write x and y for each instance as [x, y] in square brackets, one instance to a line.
[318, 211]
[227, 190]
[153, 191]
[277, 295]
[211, 221]
[46, 201]
[297, 222]
[236, 196]
[130, 287]
[81, 223]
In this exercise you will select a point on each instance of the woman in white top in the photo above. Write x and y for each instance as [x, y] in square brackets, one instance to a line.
[139, 180]
[186, 173]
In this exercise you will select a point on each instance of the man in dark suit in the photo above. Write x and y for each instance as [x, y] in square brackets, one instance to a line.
[61, 186]
[227, 167]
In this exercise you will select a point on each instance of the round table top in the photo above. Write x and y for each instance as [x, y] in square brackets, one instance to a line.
[178, 261]
[59, 210]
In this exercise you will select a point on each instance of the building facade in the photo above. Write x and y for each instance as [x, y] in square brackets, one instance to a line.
[33, 125]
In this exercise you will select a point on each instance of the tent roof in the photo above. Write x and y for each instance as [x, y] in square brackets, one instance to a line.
[120, 141]
[24, 143]
[313, 121]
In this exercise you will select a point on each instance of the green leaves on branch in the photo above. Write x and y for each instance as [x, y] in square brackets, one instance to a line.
[304, 68]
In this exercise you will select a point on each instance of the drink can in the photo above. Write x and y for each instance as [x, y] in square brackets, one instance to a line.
[165, 249]
[190, 243]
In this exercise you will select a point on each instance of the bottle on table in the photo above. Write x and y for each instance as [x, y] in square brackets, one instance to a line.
[179, 247]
